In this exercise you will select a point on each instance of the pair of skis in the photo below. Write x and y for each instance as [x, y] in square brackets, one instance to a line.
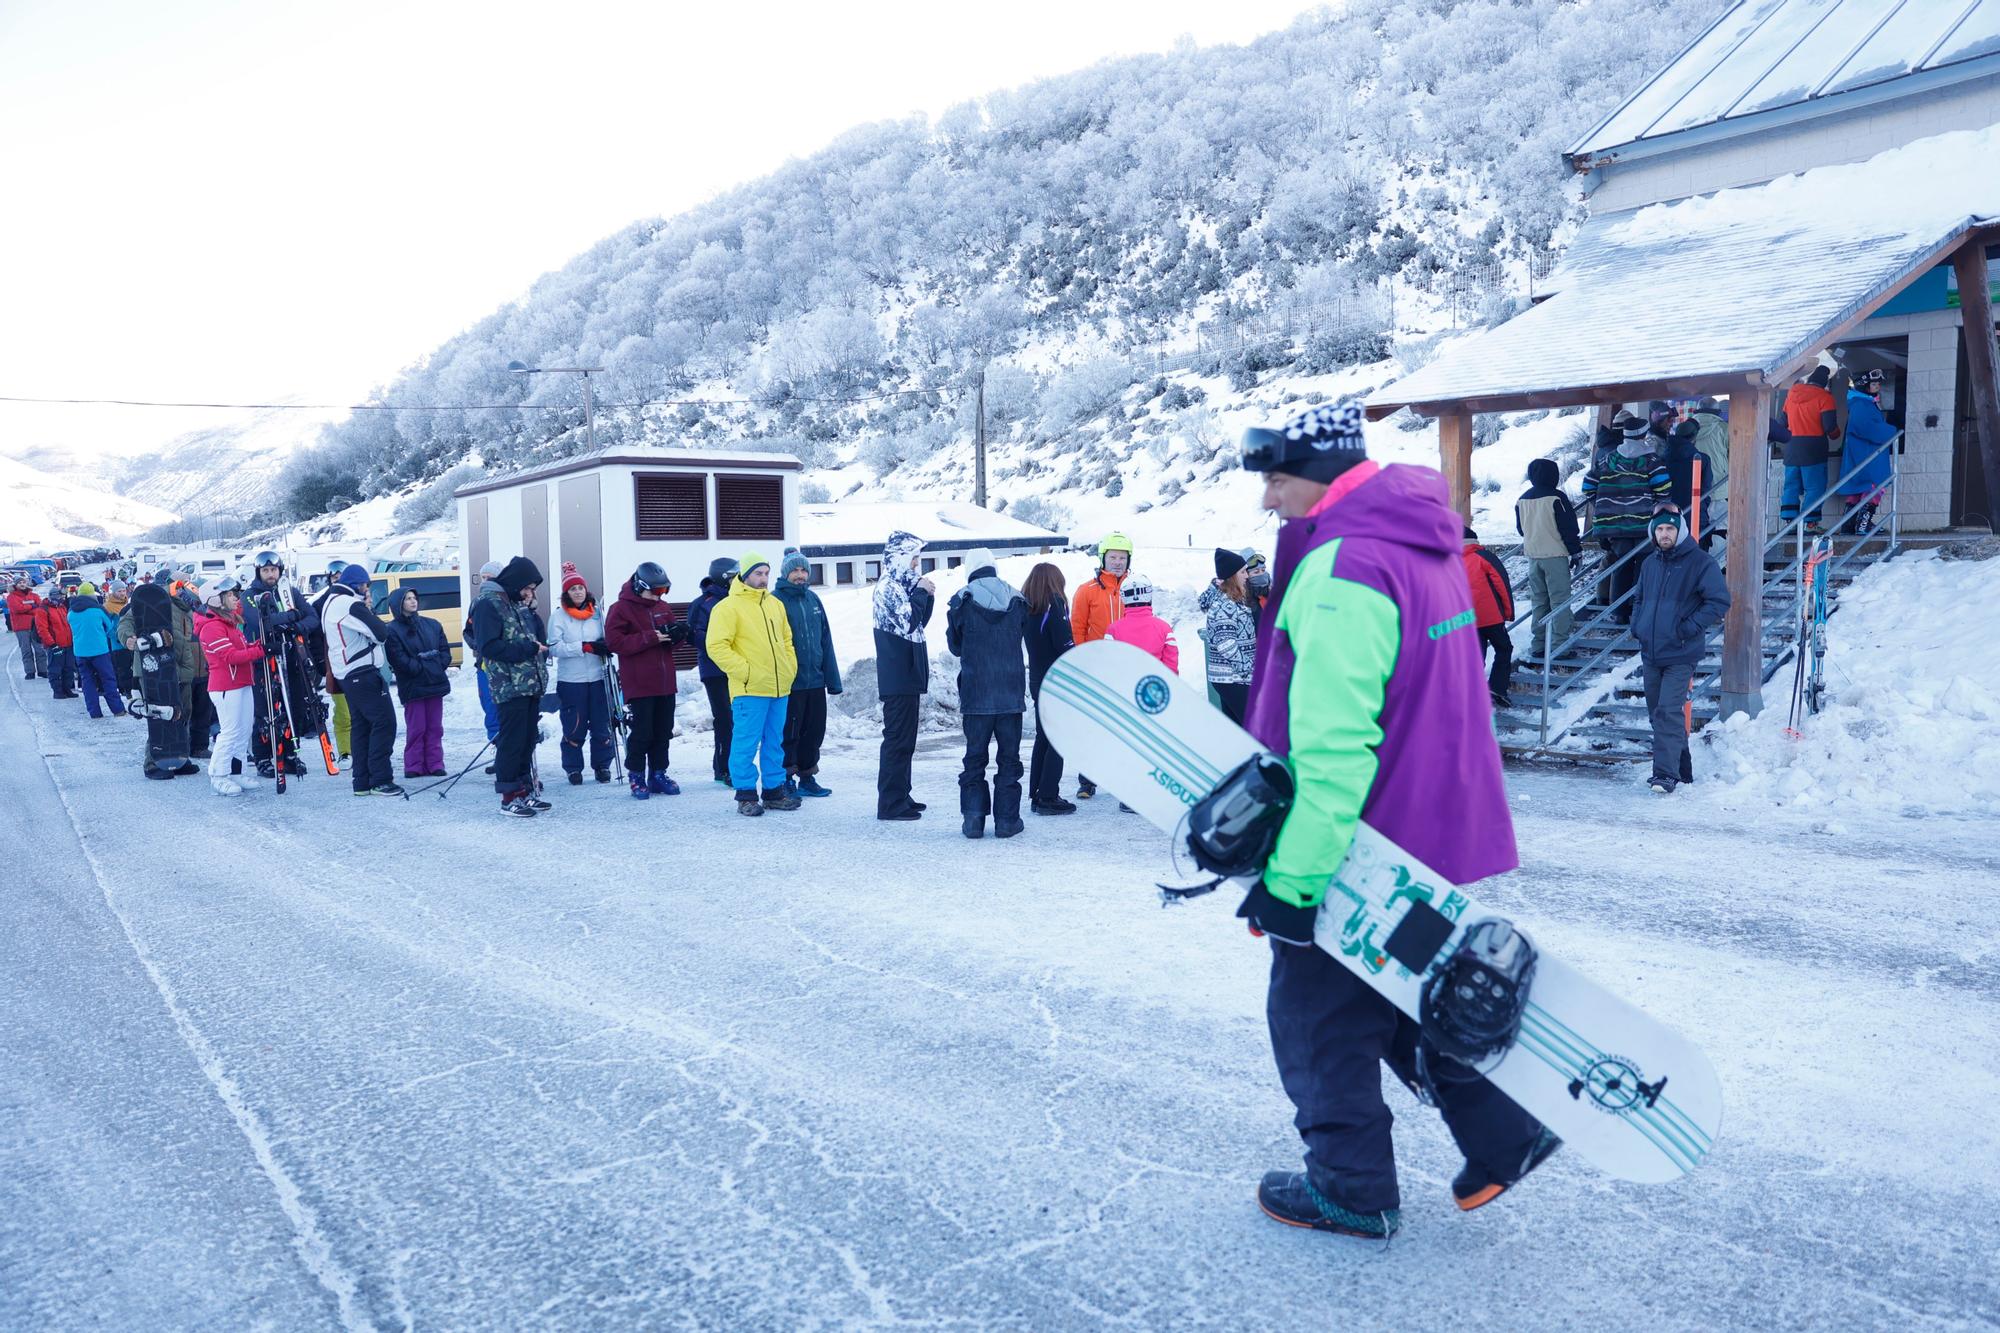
[279, 709]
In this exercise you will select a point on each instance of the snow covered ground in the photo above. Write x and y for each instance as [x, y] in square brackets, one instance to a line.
[331, 1062]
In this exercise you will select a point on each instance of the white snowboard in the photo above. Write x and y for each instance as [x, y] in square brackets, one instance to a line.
[1627, 1093]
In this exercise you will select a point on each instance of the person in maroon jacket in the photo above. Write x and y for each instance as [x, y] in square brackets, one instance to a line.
[1493, 605]
[22, 604]
[643, 631]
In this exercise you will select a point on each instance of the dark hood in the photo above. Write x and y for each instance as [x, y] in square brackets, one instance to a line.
[789, 592]
[83, 601]
[1544, 475]
[1403, 504]
[519, 573]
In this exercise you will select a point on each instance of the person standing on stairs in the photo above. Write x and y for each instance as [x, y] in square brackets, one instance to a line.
[1681, 597]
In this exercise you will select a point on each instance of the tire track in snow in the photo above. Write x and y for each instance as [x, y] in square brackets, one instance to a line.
[313, 1248]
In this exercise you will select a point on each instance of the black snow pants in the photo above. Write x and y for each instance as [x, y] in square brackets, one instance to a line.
[520, 720]
[805, 731]
[652, 730]
[373, 728]
[1329, 1032]
[717, 689]
[985, 731]
[899, 747]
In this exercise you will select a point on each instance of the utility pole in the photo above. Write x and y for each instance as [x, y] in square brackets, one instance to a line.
[978, 439]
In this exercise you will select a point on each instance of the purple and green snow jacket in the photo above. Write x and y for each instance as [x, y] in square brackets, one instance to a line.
[1370, 678]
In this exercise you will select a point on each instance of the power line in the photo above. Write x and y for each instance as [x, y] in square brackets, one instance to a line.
[468, 407]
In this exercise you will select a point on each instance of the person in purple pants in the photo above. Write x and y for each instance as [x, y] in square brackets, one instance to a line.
[421, 659]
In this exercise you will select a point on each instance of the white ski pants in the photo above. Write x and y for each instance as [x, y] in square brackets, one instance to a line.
[234, 712]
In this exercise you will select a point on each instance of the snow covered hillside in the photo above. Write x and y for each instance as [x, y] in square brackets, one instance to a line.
[1139, 257]
[236, 469]
[41, 512]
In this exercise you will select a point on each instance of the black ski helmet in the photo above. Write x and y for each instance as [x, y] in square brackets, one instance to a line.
[722, 569]
[269, 558]
[649, 577]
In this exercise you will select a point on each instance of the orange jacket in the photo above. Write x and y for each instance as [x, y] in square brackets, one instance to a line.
[1492, 599]
[1802, 408]
[1096, 605]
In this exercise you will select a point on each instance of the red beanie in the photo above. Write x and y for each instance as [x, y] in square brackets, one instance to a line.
[570, 578]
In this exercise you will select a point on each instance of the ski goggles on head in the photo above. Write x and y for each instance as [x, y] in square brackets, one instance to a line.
[1263, 448]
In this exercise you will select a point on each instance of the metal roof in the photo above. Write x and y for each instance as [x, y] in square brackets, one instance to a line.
[1681, 299]
[1766, 58]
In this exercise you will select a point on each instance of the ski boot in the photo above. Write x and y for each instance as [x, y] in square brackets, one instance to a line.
[1288, 1197]
[640, 791]
[1475, 1186]
[662, 785]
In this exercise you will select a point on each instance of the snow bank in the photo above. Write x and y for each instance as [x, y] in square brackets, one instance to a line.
[1912, 723]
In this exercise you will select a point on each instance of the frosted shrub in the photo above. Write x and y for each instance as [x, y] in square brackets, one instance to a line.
[1042, 512]
[1084, 391]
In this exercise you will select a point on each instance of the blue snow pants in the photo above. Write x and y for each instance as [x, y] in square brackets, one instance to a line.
[757, 732]
[487, 707]
[1330, 1034]
[99, 678]
[586, 710]
[1803, 487]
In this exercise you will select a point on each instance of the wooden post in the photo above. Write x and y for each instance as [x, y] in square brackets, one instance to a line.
[1455, 458]
[1743, 628]
[1982, 360]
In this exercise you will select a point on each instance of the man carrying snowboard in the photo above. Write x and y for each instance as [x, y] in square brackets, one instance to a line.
[1369, 678]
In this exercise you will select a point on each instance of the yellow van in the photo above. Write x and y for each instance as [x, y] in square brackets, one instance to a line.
[438, 598]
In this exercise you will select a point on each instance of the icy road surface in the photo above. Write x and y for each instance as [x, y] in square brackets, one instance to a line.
[327, 1062]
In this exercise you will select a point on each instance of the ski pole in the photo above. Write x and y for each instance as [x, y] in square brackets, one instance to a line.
[450, 782]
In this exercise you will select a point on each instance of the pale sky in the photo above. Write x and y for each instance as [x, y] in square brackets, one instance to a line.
[243, 201]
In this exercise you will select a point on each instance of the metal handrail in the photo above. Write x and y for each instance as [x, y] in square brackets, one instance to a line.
[1796, 527]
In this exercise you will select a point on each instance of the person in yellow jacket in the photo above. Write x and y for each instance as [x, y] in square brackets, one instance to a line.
[1098, 606]
[750, 638]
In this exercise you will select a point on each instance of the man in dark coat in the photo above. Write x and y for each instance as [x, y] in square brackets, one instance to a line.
[986, 627]
[509, 637]
[904, 600]
[1682, 596]
[819, 675]
[713, 682]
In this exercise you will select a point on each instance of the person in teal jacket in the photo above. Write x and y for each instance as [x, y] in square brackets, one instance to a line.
[819, 676]
[1870, 450]
[93, 634]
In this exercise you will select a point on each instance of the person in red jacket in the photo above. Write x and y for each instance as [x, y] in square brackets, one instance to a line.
[1492, 607]
[643, 631]
[21, 606]
[52, 626]
[232, 666]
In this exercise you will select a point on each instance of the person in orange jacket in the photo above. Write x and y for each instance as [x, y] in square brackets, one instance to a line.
[1492, 607]
[1097, 606]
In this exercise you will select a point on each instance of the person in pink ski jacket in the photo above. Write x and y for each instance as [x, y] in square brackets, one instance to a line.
[1140, 627]
[231, 672]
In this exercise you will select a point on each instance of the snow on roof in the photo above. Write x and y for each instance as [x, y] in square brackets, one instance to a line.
[636, 456]
[852, 524]
[1742, 281]
[1765, 55]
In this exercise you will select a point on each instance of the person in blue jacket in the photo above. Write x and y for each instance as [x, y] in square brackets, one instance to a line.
[1870, 450]
[1681, 597]
[93, 636]
[819, 676]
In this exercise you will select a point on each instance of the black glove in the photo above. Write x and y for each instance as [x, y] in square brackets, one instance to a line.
[1278, 919]
[677, 632]
[595, 647]
[1575, 563]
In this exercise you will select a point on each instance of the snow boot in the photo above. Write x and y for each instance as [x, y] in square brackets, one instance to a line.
[1007, 828]
[576, 779]
[640, 791]
[1288, 1197]
[809, 786]
[604, 775]
[746, 804]
[777, 798]
[224, 786]
[974, 826]
[1661, 787]
[1056, 807]
[1475, 1186]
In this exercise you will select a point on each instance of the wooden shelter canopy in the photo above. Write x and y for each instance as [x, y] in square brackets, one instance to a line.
[1722, 293]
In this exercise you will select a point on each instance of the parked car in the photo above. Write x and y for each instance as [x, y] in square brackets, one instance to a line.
[438, 598]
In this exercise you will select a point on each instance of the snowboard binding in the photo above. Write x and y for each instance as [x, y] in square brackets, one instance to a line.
[1232, 830]
[1472, 1006]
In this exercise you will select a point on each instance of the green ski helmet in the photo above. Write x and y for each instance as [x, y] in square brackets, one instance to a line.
[1114, 541]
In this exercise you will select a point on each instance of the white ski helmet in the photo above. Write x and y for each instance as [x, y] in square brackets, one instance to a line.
[1136, 590]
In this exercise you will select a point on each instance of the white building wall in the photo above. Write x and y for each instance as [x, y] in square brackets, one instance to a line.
[1755, 158]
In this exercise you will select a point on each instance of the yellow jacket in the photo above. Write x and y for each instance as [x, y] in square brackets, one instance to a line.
[750, 638]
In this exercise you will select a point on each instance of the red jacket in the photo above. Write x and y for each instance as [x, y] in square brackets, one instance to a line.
[52, 624]
[21, 610]
[1139, 627]
[231, 661]
[645, 665]
[1492, 599]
